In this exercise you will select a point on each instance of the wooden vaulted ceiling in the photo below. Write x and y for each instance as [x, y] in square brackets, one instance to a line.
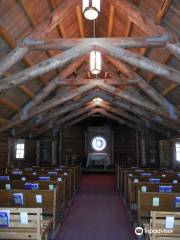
[44, 74]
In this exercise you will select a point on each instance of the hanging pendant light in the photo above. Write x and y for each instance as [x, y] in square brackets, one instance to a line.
[95, 62]
[91, 9]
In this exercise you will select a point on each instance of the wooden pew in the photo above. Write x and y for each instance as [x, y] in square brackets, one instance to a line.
[36, 228]
[19, 184]
[159, 229]
[163, 178]
[35, 177]
[145, 204]
[50, 204]
[145, 186]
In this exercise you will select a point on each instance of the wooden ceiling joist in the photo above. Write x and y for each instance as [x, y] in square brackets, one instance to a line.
[10, 41]
[128, 28]
[80, 20]
[53, 4]
[8, 104]
[165, 5]
[169, 89]
[34, 20]
[111, 20]
[39, 32]
[146, 24]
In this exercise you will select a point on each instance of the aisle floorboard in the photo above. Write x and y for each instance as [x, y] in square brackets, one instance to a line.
[97, 213]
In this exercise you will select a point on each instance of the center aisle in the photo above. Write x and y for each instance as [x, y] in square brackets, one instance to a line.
[97, 213]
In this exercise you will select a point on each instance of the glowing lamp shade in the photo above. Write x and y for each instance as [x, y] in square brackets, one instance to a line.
[95, 62]
[97, 100]
[91, 9]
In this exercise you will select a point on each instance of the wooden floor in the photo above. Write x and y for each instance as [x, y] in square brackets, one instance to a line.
[97, 213]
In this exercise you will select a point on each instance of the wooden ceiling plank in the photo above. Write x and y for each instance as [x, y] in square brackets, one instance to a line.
[26, 90]
[34, 20]
[16, 53]
[80, 20]
[111, 20]
[165, 5]
[145, 23]
[9, 40]
[39, 32]
[60, 27]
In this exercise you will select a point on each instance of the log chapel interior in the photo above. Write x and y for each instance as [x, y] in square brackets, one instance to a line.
[90, 119]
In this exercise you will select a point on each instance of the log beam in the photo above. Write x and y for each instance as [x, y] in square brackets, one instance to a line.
[39, 32]
[60, 123]
[34, 20]
[145, 105]
[50, 104]
[143, 63]
[83, 117]
[120, 120]
[43, 67]
[141, 113]
[151, 92]
[66, 43]
[69, 107]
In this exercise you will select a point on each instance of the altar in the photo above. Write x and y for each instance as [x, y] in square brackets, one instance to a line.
[98, 159]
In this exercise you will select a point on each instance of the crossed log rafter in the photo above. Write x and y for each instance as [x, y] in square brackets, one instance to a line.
[78, 47]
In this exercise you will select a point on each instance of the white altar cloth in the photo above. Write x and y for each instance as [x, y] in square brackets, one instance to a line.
[99, 158]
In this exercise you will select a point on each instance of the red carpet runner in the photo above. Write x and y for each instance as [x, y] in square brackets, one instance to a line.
[97, 212]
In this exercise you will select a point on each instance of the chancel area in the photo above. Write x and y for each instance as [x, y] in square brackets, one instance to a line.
[89, 119]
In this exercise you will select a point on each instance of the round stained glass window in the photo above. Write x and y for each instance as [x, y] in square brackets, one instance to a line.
[99, 143]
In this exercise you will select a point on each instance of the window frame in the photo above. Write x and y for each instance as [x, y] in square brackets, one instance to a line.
[176, 157]
[19, 151]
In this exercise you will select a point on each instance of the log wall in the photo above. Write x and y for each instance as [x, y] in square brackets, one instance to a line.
[73, 144]
[3, 150]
